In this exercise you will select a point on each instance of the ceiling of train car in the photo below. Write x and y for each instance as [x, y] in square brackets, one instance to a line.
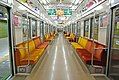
[60, 12]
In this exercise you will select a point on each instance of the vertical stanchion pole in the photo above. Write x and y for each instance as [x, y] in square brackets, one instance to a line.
[28, 37]
[94, 24]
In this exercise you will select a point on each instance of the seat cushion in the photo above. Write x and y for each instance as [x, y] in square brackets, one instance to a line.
[30, 45]
[29, 60]
[83, 52]
[38, 51]
[99, 52]
[76, 45]
[43, 45]
[37, 41]
[86, 59]
[22, 51]
[32, 58]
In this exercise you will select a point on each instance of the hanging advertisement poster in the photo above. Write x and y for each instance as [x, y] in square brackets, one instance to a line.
[15, 21]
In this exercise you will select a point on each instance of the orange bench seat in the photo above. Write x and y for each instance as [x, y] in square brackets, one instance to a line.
[80, 44]
[95, 50]
[39, 43]
[26, 53]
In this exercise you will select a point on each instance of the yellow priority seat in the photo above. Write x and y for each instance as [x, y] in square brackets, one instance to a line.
[31, 48]
[46, 36]
[27, 53]
[77, 45]
[81, 43]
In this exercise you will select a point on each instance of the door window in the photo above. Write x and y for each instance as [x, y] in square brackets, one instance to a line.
[114, 64]
[5, 69]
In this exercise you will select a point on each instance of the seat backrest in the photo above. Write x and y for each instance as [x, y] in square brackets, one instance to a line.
[68, 34]
[37, 41]
[22, 50]
[30, 45]
[83, 42]
[88, 45]
[99, 51]
[17, 57]
[93, 45]
[72, 35]
[51, 33]
[79, 40]
[47, 36]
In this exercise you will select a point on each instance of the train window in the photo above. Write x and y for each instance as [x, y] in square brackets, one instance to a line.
[25, 28]
[95, 28]
[45, 28]
[78, 29]
[5, 68]
[48, 29]
[38, 28]
[86, 28]
[75, 26]
[41, 29]
[91, 29]
[71, 27]
[34, 28]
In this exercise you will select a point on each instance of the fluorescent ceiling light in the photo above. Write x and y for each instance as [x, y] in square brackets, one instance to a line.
[47, 7]
[56, 22]
[76, 1]
[21, 7]
[99, 7]
[73, 7]
[73, 1]
[112, 1]
[48, 1]
[107, 3]
[43, 1]
[62, 18]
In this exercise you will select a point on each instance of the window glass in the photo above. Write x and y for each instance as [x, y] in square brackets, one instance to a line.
[96, 26]
[86, 27]
[114, 61]
[34, 28]
[78, 28]
[5, 69]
